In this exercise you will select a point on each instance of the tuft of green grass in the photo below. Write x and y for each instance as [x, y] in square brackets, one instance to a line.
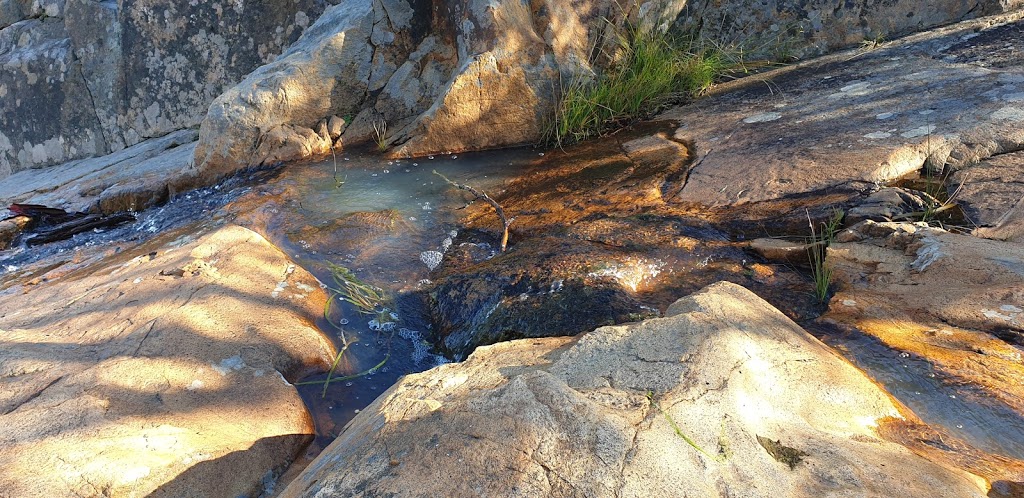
[821, 273]
[380, 131]
[649, 71]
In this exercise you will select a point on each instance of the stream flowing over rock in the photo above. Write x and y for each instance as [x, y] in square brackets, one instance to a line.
[163, 371]
[744, 403]
[429, 77]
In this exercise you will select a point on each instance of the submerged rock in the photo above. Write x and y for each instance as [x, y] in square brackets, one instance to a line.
[539, 288]
[725, 396]
[162, 371]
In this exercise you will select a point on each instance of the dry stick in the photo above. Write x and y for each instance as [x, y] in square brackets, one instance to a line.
[505, 222]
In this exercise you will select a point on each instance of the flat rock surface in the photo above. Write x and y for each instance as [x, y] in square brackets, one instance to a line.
[159, 371]
[863, 116]
[133, 179]
[742, 403]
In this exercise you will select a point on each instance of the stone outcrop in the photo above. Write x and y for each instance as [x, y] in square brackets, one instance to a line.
[443, 77]
[944, 99]
[447, 78]
[742, 403]
[800, 29]
[82, 78]
[159, 371]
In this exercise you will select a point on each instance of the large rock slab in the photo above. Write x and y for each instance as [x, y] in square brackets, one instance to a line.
[991, 194]
[159, 371]
[325, 70]
[42, 117]
[944, 99]
[571, 417]
[82, 78]
[132, 179]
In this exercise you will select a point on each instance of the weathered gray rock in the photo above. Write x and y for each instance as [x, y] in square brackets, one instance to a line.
[858, 117]
[88, 78]
[42, 117]
[800, 29]
[162, 372]
[322, 74]
[131, 179]
[570, 417]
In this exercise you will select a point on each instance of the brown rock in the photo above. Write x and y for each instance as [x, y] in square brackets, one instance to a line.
[288, 143]
[336, 126]
[11, 228]
[118, 381]
[834, 125]
[991, 195]
[781, 250]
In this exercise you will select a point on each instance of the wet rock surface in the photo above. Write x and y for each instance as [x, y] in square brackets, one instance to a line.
[951, 301]
[163, 370]
[596, 240]
[542, 287]
[990, 193]
[566, 417]
[610, 231]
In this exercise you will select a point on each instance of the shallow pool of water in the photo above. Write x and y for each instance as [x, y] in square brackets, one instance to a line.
[387, 222]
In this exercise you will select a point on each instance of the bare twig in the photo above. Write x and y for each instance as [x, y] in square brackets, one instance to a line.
[505, 221]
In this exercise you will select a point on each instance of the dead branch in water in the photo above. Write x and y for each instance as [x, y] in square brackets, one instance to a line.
[505, 222]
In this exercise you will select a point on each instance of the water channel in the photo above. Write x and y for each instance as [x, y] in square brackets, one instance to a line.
[388, 222]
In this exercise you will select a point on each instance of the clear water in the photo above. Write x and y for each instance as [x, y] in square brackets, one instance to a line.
[421, 211]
